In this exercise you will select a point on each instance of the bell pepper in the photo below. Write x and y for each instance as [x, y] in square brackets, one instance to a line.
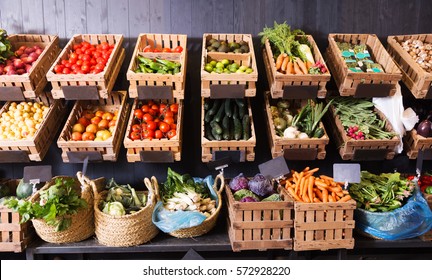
[428, 190]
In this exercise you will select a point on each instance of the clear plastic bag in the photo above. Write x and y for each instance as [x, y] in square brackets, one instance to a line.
[411, 220]
[169, 221]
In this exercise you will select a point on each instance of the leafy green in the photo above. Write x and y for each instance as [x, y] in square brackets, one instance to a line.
[125, 195]
[181, 184]
[381, 193]
[309, 117]
[55, 205]
[285, 40]
[5, 46]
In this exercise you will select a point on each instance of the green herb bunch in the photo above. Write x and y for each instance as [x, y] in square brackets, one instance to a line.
[55, 205]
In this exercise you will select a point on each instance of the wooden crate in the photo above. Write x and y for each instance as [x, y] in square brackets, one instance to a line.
[156, 149]
[260, 225]
[294, 149]
[368, 149]
[14, 236]
[173, 85]
[239, 82]
[362, 84]
[34, 149]
[417, 80]
[94, 86]
[324, 225]
[107, 150]
[414, 143]
[285, 85]
[30, 85]
[428, 235]
[245, 147]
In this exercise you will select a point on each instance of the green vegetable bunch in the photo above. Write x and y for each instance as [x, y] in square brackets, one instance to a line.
[309, 117]
[122, 199]
[381, 193]
[5, 46]
[285, 40]
[357, 112]
[158, 66]
[55, 205]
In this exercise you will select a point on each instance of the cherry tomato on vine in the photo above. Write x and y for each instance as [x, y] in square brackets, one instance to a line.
[138, 114]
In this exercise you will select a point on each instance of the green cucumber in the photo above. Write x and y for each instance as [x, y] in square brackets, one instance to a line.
[231, 129]
[217, 136]
[237, 129]
[216, 127]
[213, 110]
[208, 132]
[207, 117]
[228, 110]
[246, 127]
[242, 112]
[226, 128]
[207, 104]
[240, 102]
[219, 115]
[235, 112]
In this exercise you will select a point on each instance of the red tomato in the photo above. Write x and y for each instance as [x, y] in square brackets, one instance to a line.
[174, 108]
[166, 50]
[147, 117]
[85, 122]
[148, 48]
[173, 126]
[88, 114]
[169, 120]
[136, 128]
[145, 108]
[95, 120]
[100, 67]
[158, 134]
[156, 50]
[171, 133]
[148, 134]
[66, 71]
[178, 49]
[151, 125]
[135, 135]
[76, 136]
[153, 112]
[138, 114]
[88, 136]
[164, 127]
[150, 103]
[155, 107]
[58, 68]
[169, 114]
[162, 108]
[85, 68]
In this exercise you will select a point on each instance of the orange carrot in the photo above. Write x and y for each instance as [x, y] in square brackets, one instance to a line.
[325, 195]
[311, 181]
[318, 193]
[304, 182]
[297, 68]
[294, 195]
[285, 63]
[306, 199]
[290, 67]
[320, 184]
[331, 199]
[335, 189]
[345, 198]
[308, 65]
[279, 60]
[302, 66]
[316, 199]
[326, 177]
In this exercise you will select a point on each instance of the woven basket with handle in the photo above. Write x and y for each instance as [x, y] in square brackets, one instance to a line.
[208, 223]
[82, 225]
[127, 230]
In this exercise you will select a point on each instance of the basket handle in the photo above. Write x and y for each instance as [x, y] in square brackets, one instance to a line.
[153, 188]
[222, 183]
[87, 183]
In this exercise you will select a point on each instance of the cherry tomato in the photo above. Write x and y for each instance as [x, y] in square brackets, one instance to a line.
[153, 112]
[174, 108]
[136, 127]
[147, 117]
[168, 114]
[155, 107]
[178, 49]
[156, 50]
[158, 134]
[138, 114]
[148, 48]
[171, 133]
[162, 108]
[164, 127]
[135, 135]
[58, 68]
[166, 50]
[145, 108]
[151, 125]
[66, 71]
[169, 120]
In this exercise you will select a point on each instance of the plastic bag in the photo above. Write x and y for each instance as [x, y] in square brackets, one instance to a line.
[401, 120]
[411, 220]
[169, 221]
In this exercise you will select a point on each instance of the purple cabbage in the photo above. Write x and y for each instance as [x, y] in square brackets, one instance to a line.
[239, 182]
[248, 199]
[261, 186]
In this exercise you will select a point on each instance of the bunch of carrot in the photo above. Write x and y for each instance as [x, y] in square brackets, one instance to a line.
[292, 65]
[305, 187]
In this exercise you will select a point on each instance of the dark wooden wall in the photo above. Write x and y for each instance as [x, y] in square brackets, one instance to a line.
[195, 17]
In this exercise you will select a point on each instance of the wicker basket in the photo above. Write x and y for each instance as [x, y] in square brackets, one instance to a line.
[208, 223]
[30, 85]
[362, 84]
[417, 80]
[128, 230]
[82, 225]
